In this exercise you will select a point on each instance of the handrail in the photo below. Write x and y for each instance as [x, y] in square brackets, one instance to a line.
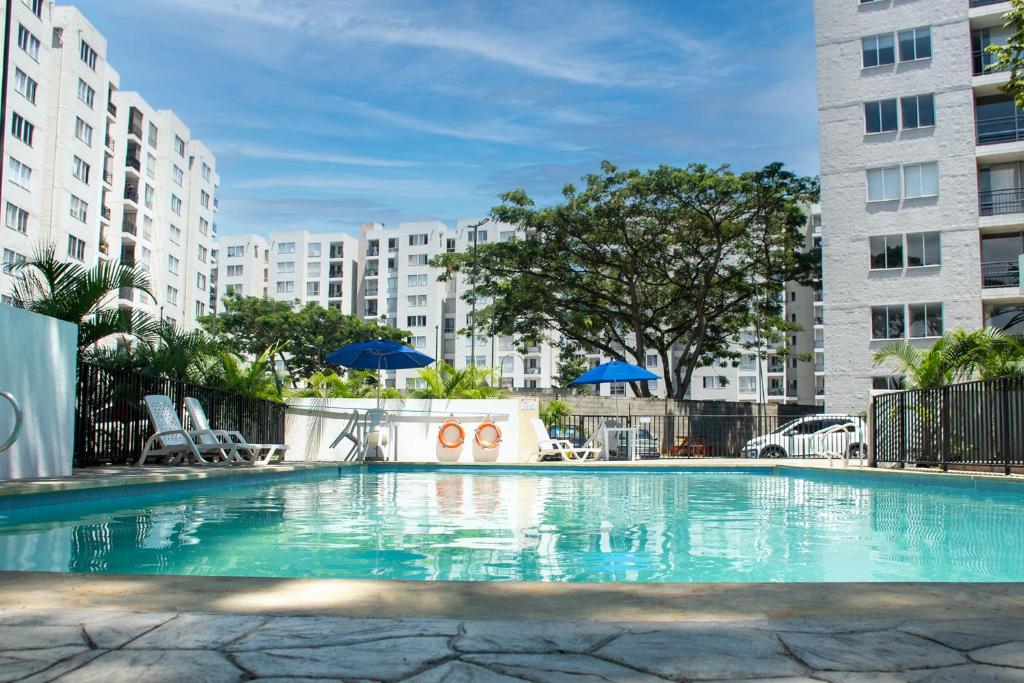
[17, 421]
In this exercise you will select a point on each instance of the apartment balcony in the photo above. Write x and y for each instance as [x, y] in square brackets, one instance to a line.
[532, 371]
[1000, 129]
[819, 296]
[1000, 274]
[131, 194]
[335, 272]
[109, 142]
[336, 253]
[133, 163]
[105, 212]
[129, 226]
[112, 109]
[135, 129]
[108, 178]
[216, 204]
[985, 3]
[776, 391]
[819, 367]
[126, 294]
[999, 202]
[982, 63]
[819, 320]
[104, 248]
[373, 251]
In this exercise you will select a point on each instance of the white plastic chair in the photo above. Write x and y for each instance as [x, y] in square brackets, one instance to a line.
[171, 442]
[243, 451]
[562, 448]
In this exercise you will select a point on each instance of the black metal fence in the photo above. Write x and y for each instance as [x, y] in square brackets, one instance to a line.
[679, 436]
[974, 423]
[111, 424]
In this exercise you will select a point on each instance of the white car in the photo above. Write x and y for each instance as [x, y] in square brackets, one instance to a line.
[810, 436]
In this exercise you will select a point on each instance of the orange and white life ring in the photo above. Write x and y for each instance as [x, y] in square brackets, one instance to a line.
[487, 436]
[451, 434]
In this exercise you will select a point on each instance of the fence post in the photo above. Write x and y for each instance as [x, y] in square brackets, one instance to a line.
[904, 456]
[872, 422]
[944, 426]
[1005, 427]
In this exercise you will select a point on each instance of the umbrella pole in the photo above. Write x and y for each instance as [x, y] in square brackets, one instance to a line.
[378, 381]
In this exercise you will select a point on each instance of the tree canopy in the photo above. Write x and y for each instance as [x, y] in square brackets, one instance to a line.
[305, 333]
[673, 261]
[1010, 57]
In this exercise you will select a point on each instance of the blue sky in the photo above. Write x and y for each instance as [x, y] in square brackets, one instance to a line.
[327, 113]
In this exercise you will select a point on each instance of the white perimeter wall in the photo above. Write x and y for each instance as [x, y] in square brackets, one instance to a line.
[37, 365]
[309, 432]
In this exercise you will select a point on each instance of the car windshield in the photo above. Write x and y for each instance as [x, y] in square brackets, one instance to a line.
[783, 427]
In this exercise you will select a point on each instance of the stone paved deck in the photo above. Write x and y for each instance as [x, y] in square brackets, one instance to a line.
[84, 645]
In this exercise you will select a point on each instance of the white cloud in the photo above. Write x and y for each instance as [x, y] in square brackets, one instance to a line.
[252, 151]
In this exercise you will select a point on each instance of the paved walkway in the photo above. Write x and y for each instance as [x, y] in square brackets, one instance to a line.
[112, 646]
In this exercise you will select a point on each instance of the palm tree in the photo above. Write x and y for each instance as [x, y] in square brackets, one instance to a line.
[171, 353]
[328, 384]
[955, 357]
[80, 295]
[444, 381]
[258, 379]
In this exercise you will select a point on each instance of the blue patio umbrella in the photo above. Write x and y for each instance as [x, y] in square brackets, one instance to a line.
[378, 355]
[615, 371]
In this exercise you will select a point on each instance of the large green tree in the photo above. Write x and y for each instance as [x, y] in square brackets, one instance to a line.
[303, 335]
[674, 261]
[1010, 57]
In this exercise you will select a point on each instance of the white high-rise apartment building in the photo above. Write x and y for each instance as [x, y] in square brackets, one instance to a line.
[57, 85]
[921, 160]
[96, 172]
[298, 265]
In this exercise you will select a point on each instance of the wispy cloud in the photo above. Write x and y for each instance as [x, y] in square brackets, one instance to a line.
[254, 151]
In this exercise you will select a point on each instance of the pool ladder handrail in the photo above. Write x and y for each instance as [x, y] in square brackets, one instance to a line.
[17, 421]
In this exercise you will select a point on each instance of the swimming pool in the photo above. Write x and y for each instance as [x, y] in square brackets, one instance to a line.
[534, 524]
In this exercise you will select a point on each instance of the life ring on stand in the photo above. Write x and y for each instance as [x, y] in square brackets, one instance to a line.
[488, 435]
[444, 434]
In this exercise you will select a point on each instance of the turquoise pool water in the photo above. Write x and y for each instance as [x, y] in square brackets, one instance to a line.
[542, 525]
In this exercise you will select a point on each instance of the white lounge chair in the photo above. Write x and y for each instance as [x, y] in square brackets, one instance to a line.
[242, 451]
[171, 442]
[562, 448]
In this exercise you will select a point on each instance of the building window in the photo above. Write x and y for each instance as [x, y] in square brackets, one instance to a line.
[25, 86]
[204, 226]
[86, 94]
[201, 254]
[285, 287]
[418, 342]
[37, 7]
[234, 271]
[880, 116]
[887, 322]
[923, 249]
[76, 248]
[150, 165]
[883, 184]
[748, 361]
[887, 383]
[915, 43]
[149, 195]
[714, 382]
[416, 321]
[152, 135]
[206, 172]
[12, 259]
[179, 146]
[19, 173]
[235, 251]
[312, 289]
[925, 320]
[878, 50]
[920, 180]
[286, 267]
[80, 169]
[28, 42]
[176, 205]
[886, 252]
[200, 308]
[416, 300]
[286, 248]
[918, 111]
[172, 296]
[16, 218]
[178, 175]
[79, 209]
[417, 280]
[22, 129]
[313, 250]
[88, 55]
[204, 198]
[200, 281]
[175, 234]
[417, 259]
[83, 131]
[313, 269]
[172, 265]
[418, 240]
[506, 235]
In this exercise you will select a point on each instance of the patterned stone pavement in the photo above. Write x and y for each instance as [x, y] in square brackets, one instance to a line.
[107, 646]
